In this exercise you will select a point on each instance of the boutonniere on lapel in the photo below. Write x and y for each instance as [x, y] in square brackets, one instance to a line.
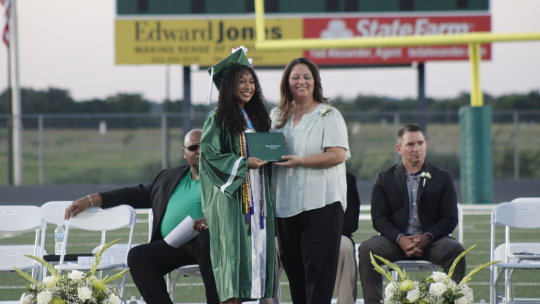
[426, 176]
[324, 111]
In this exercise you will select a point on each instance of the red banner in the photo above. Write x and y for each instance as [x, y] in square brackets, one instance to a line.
[374, 26]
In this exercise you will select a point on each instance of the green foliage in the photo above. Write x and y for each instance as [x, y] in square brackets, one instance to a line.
[55, 100]
[371, 103]
[529, 163]
[456, 261]
[402, 273]
[98, 256]
[28, 277]
[49, 266]
[176, 106]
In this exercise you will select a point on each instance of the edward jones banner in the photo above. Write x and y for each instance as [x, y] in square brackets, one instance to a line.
[200, 41]
[207, 41]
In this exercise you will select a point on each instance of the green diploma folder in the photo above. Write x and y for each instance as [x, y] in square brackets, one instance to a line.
[267, 146]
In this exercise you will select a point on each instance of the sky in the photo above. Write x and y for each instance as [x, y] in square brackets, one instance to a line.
[69, 44]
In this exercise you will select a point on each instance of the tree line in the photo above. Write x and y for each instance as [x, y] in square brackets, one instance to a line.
[529, 100]
[55, 101]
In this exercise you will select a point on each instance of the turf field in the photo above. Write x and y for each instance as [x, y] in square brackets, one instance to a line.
[476, 231]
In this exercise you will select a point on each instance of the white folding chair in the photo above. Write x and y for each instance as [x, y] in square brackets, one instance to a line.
[186, 271]
[115, 253]
[15, 219]
[96, 219]
[54, 214]
[420, 266]
[521, 213]
[54, 211]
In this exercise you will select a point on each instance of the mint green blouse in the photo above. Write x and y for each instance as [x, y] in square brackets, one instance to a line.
[302, 188]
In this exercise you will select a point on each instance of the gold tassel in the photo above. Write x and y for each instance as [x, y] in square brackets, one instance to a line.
[245, 184]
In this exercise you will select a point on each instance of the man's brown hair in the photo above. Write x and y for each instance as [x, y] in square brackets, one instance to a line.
[408, 128]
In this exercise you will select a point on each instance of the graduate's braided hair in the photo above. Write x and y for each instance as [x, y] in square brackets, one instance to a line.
[229, 111]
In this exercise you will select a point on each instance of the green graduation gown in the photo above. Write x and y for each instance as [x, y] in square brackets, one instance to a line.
[242, 254]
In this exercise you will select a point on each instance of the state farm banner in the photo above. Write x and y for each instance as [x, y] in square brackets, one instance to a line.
[394, 25]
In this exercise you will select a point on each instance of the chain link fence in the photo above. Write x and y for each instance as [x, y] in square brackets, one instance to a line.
[132, 148]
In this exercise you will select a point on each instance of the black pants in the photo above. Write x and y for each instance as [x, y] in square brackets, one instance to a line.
[309, 252]
[149, 263]
[442, 251]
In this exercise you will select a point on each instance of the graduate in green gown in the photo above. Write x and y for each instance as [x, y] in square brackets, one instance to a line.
[235, 188]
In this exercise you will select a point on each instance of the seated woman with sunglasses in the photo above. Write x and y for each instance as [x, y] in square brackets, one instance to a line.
[173, 195]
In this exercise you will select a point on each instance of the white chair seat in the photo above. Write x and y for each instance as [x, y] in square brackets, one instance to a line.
[23, 268]
[521, 213]
[117, 252]
[417, 266]
[94, 219]
[185, 271]
[21, 219]
[519, 265]
[88, 267]
[189, 271]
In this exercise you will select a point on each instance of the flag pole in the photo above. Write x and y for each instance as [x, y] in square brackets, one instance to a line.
[9, 125]
[15, 94]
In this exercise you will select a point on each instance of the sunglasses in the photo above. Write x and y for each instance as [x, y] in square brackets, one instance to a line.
[193, 148]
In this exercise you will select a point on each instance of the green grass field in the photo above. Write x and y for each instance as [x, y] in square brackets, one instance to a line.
[83, 156]
[476, 231]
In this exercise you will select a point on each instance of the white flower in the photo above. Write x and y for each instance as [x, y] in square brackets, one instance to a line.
[389, 290]
[84, 293]
[113, 299]
[451, 285]
[437, 289]
[324, 111]
[467, 295]
[49, 281]
[76, 276]
[245, 49]
[413, 294]
[438, 276]
[44, 297]
[26, 299]
[425, 175]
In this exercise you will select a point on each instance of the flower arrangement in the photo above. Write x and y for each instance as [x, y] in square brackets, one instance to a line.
[438, 288]
[76, 287]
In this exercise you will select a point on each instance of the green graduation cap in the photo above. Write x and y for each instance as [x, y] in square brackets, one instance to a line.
[218, 71]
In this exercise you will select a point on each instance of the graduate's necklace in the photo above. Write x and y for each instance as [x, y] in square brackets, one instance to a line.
[196, 177]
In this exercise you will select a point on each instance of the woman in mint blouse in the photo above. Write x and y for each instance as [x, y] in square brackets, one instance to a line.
[310, 187]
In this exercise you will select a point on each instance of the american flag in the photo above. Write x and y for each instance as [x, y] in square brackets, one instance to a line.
[5, 34]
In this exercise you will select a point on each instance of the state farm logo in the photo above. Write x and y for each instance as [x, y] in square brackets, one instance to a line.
[375, 27]
[337, 28]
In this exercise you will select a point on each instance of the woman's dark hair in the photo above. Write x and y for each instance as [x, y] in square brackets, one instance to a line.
[228, 109]
[286, 103]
